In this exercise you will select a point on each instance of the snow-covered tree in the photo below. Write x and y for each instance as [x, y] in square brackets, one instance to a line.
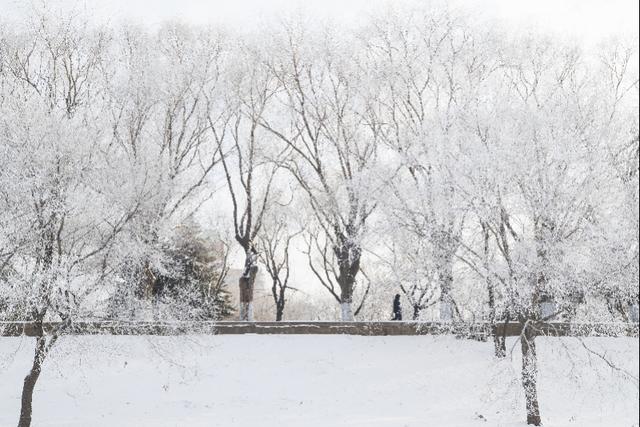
[63, 211]
[276, 241]
[156, 101]
[248, 160]
[332, 140]
[545, 201]
[428, 65]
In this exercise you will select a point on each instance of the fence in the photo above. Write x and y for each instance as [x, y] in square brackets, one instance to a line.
[473, 330]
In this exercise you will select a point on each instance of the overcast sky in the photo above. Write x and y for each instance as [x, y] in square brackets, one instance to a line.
[586, 21]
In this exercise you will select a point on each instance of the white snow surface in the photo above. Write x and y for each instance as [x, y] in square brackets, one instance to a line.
[313, 381]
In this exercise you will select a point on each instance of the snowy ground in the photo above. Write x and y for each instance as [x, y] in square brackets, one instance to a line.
[313, 381]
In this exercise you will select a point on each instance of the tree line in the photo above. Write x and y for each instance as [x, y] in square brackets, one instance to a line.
[416, 152]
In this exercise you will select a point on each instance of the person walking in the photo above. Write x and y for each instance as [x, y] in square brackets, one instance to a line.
[397, 310]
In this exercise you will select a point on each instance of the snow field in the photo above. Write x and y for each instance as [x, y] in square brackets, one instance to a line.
[314, 381]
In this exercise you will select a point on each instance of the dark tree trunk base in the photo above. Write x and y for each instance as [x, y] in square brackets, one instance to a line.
[530, 377]
[29, 385]
[500, 346]
[534, 420]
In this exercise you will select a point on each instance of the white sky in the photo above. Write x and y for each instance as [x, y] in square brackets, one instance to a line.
[586, 21]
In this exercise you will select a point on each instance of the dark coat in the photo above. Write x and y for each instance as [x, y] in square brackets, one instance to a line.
[397, 310]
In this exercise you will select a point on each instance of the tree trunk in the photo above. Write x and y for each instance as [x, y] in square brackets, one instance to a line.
[246, 311]
[246, 298]
[279, 309]
[346, 311]
[278, 299]
[246, 283]
[529, 377]
[499, 341]
[446, 308]
[416, 312]
[445, 274]
[500, 346]
[346, 300]
[30, 382]
[349, 265]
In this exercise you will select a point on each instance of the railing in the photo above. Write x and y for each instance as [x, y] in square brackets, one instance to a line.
[471, 330]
